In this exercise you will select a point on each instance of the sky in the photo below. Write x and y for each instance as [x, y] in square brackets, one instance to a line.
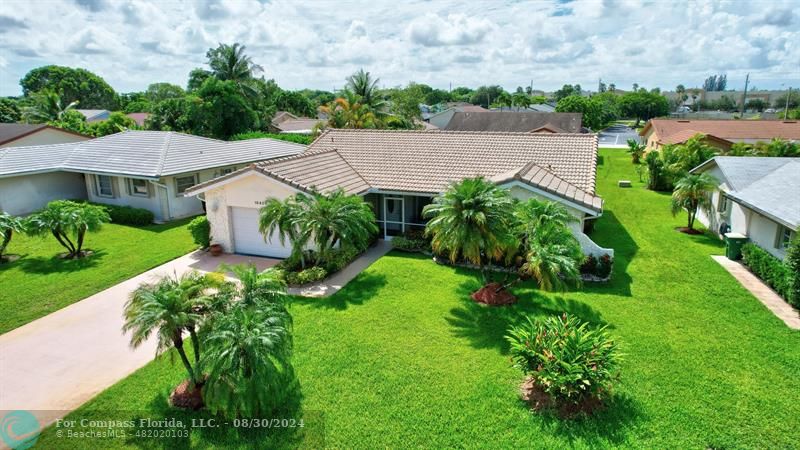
[317, 44]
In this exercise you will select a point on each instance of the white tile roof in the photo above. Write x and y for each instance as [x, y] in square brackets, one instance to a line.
[142, 153]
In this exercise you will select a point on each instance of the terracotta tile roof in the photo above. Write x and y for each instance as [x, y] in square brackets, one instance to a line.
[300, 124]
[139, 117]
[684, 135]
[731, 130]
[427, 162]
[521, 122]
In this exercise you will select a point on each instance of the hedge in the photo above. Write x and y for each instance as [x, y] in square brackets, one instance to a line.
[767, 267]
[201, 231]
[128, 215]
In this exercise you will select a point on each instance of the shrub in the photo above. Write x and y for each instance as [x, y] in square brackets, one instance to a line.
[409, 245]
[565, 358]
[201, 231]
[128, 215]
[768, 268]
[604, 266]
[792, 263]
[340, 258]
[305, 276]
[589, 265]
[304, 139]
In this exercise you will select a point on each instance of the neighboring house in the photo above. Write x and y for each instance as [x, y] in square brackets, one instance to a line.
[143, 169]
[139, 117]
[399, 172]
[441, 119]
[758, 197]
[539, 107]
[516, 122]
[23, 134]
[721, 133]
[95, 115]
[286, 122]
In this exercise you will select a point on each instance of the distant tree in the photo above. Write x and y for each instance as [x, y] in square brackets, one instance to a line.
[725, 103]
[46, 106]
[347, 112]
[612, 87]
[224, 110]
[794, 100]
[115, 123]
[71, 120]
[485, 95]
[175, 114]
[529, 90]
[643, 105]
[295, 103]
[157, 92]
[692, 192]
[365, 86]
[757, 104]
[521, 100]
[230, 63]
[715, 83]
[318, 97]
[406, 101]
[137, 107]
[635, 87]
[9, 111]
[503, 100]
[196, 78]
[602, 87]
[566, 91]
[461, 94]
[588, 106]
[436, 96]
[72, 85]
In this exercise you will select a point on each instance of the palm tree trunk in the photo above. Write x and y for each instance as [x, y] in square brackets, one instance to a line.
[177, 341]
[81, 234]
[64, 241]
[195, 345]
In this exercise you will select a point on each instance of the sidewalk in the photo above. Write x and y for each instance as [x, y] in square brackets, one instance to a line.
[761, 291]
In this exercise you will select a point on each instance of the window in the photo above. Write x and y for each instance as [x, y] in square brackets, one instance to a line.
[104, 185]
[184, 183]
[226, 170]
[138, 187]
[722, 205]
[784, 237]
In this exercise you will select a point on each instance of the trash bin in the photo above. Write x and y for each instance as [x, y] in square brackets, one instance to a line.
[733, 245]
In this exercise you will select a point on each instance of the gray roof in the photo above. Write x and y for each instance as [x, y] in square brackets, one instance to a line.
[515, 122]
[12, 131]
[93, 113]
[149, 154]
[768, 185]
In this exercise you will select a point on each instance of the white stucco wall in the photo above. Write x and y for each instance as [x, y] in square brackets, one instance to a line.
[713, 218]
[26, 194]
[764, 233]
[249, 190]
[45, 136]
[121, 197]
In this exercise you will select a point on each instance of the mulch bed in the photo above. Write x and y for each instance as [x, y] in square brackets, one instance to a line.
[83, 254]
[539, 400]
[489, 295]
[185, 397]
[687, 230]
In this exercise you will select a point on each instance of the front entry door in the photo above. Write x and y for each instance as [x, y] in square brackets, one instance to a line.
[393, 216]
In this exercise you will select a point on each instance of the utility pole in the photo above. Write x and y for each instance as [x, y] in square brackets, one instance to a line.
[531, 87]
[744, 97]
[786, 109]
[450, 91]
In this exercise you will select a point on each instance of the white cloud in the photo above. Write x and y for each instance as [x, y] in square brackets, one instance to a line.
[132, 43]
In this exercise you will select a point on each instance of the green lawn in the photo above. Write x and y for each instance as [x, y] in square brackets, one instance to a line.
[402, 358]
[39, 282]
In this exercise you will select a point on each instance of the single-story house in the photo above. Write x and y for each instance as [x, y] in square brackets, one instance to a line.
[143, 169]
[399, 172]
[516, 122]
[95, 115]
[286, 122]
[720, 133]
[139, 117]
[442, 118]
[758, 197]
[538, 107]
[24, 134]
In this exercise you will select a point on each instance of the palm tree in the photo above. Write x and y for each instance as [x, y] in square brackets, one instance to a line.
[473, 219]
[46, 107]
[68, 221]
[365, 87]
[8, 226]
[256, 287]
[229, 62]
[282, 219]
[246, 359]
[550, 249]
[521, 100]
[691, 193]
[336, 219]
[636, 150]
[170, 307]
[348, 112]
[327, 219]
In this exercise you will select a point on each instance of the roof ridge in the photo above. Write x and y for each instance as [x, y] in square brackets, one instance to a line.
[267, 163]
[352, 168]
[163, 156]
[512, 133]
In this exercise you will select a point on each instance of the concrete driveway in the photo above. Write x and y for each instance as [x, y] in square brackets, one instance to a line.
[54, 364]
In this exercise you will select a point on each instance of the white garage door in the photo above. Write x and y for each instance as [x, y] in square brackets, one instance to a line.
[247, 239]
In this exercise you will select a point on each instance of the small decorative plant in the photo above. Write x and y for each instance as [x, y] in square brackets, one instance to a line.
[604, 266]
[200, 229]
[568, 363]
[589, 265]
